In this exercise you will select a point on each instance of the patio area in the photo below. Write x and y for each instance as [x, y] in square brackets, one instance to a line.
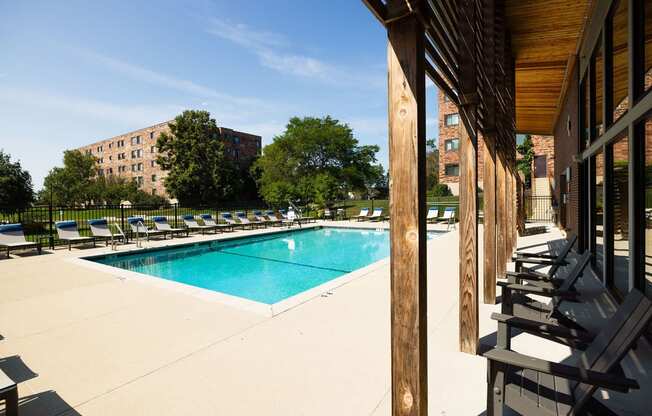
[80, 341]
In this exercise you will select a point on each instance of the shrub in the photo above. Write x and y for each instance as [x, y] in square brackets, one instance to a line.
[441, 189]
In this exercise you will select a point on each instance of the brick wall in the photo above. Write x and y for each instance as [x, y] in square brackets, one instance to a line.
[566, 146]
[115, 155]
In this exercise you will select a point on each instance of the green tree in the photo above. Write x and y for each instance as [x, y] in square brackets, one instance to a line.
[432, 164]
[316, 160]
[73, 183]
[526, 149]
[193, 155]
[16, 190]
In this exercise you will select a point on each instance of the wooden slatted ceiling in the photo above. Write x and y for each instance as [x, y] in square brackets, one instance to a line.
[544, 37]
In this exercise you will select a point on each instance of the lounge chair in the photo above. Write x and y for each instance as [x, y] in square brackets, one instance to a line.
[272, 217]
[241, 216]
[328, 214]
[101, 231]
[260, 217]
[433, 214]
[137, 225]
[68, 232]
[210, 221]
[515, 301]
[228, 218]
[363, 215]
[161, 224]
[9, 393]
[191, 224]
[532, 386]
[289, 218]
[554, 261]
[448, 217]
[12, 237]
[377, 215]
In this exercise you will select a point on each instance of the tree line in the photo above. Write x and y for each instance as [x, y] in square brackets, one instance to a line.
[314, 161]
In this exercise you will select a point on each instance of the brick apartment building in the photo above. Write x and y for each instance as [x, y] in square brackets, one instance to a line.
[449, 161]
[133, 155]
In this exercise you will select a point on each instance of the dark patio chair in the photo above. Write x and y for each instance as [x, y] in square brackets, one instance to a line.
[554, 261]
[536, 387]
[516, 302]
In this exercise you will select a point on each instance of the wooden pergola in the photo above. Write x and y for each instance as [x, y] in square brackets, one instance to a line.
[465, 47]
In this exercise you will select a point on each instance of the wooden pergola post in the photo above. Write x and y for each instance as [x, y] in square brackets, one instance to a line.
[489, 236]
[407, 148]
[501, 212]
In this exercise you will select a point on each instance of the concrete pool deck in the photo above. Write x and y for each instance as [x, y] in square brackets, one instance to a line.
[81, 341]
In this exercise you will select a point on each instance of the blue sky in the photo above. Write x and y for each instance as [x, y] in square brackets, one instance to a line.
[75, 72]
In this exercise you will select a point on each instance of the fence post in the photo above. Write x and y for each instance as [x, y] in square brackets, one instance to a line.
[122, 220]
[50, 234]
[372, 205]
[175, 215]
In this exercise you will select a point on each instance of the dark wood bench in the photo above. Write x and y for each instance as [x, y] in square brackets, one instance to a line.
[536, 387]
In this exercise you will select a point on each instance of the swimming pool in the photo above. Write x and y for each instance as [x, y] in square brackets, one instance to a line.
[266, 268]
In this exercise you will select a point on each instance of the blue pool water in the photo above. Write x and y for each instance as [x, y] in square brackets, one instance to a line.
[265, 269]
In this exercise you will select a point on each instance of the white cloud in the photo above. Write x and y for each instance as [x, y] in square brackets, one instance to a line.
[132, 115]
[271, 50]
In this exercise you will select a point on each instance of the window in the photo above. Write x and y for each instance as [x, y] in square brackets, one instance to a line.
[647, 220]
[152, 163]
[100, 172]
[151, 134]
[121, 143]
[452, 170]
[136, 153]
[152, 149]
[153, 178]
[540, 166]
[599, 84]
[99, 149]
[110, 145]
[122, 168]
[153, 191]
[139, 181]
[451, 145]
[236, 140]
[452, 119]
[619, 214]
[139, 167]
[100, 160]
[135, 140]
[597, 207]
[133, 167]
[620, 57]
[110, 157]
[446, 98]
[109, 171]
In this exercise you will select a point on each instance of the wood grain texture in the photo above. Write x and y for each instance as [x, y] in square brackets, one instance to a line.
[469, 334]
[501, 214]
[489, 209]
[407, 146]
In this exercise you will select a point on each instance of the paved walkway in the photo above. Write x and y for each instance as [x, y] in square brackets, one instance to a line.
[81, 341]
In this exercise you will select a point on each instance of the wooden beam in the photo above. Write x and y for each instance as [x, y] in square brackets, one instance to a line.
[407, 146]
[469, 334]
[489, 236]
[500, 213]
[378, 9]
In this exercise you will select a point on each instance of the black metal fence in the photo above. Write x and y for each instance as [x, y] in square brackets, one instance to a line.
[38, 221]
[539, 208]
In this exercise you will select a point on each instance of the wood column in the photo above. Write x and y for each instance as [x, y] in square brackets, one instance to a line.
[469, 334]
[489, 233]
[407, 154]
[501, 213]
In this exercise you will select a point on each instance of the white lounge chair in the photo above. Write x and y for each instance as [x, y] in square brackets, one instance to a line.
[100, 230]
[161, 224]
[191, 224]
[363, 215]
[377, 215]
[328, 214]
[449, 217]
[272, 217]
[258, 215]
[68, 232]
[210, 221]
[138, 227]
[228, 218]
[246, 222]
[433, 214]
[12, 237]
